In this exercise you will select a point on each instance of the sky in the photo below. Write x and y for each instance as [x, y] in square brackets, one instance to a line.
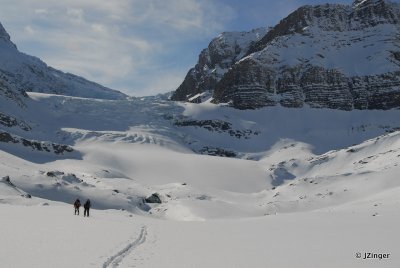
[140, 47]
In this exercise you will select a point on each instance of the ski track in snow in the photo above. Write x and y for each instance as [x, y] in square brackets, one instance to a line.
[116, 259]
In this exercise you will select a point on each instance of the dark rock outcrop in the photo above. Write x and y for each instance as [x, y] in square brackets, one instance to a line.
[9, 91]
[215, 151]
[218, 126]
[317, 87]
[154, 198]
[49, 147]
[10, 121]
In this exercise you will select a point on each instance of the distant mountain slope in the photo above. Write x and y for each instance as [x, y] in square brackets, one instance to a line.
[332, 56]
[214, 61]
[29, 73]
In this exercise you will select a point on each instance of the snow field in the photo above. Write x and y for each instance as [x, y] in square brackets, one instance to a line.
[300, 193]
[51, 236]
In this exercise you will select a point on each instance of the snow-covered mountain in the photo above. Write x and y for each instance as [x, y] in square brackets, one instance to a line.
[29, 73]
[186, 184]
[333, 56]
[214, 62]
[185, 142]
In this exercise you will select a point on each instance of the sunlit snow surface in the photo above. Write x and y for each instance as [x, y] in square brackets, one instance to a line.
[311, 188]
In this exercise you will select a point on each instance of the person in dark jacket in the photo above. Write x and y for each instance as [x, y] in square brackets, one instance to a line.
[86, 207]
[77, 205]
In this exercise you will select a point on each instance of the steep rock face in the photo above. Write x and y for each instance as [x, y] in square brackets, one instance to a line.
[29, 73]
[214, 62]
[4, 36]
[328, 17]
[9, 92]
[333, 17]
[249, 85]
[328, 56]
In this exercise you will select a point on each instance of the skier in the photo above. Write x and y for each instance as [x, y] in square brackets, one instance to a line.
[77, 205]
[86, 206]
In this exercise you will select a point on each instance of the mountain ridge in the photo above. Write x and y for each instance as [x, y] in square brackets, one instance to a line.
[329, 56]
[215, 60]
[29, 73]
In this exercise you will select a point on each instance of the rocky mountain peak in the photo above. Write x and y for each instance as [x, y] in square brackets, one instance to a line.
[214, 61]
[326, 17]
[330, 56]
[368, 13]
[333, 17]
[3, 33]
[4, 36]
[361, 3]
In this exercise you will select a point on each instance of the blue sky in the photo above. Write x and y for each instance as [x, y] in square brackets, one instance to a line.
[141, 47]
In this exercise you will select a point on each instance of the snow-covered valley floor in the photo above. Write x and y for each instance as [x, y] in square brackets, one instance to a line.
[50, 236]
[301, 188]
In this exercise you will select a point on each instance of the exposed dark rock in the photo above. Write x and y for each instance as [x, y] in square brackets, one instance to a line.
[246, 86]
[54, 173]
[249, 87]
[9, 91]
[6, 137]
[61, 148]
[213, 151]
[7, 180]
[211, 125]
[154, 198]
[217, 126]
[36, 145]
[396, 55]
[9, 121]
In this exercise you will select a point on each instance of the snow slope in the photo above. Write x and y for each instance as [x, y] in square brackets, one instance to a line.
[113, 161]
[369, 50]
[301, 180]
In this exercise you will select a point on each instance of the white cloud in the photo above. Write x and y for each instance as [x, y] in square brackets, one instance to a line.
[29, 30]
[41, 11]
[76, 15]
[182, 15]
[99, 28]
[160, 81]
